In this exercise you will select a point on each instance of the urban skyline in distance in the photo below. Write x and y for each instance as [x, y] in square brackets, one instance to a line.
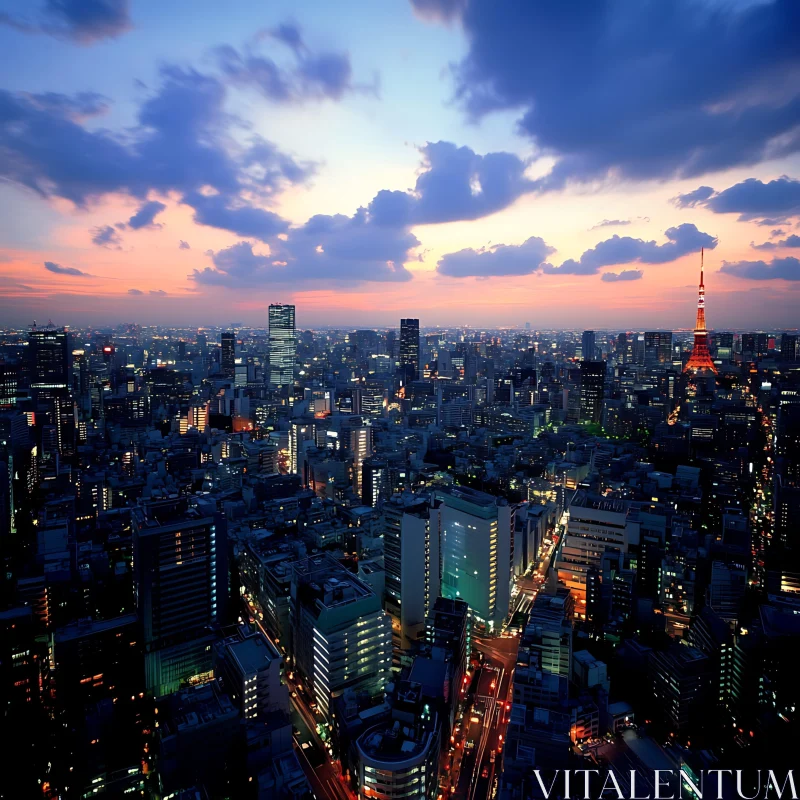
[425, 165]
[400, 399]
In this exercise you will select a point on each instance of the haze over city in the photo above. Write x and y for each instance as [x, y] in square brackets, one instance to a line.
[472, 163]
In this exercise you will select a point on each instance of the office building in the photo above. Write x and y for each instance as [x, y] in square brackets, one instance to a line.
[657, 348]
[48, 358]
[588, 346]
[342, 637]
[789, 347]
[180, 581]
[411, 560]
[477, 531]
[593, 375]
[595, 525]
[227, 360]
[250, 667]
[409, 350]
[398, 757]
[282, 345]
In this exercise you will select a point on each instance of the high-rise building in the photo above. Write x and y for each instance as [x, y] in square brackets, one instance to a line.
[409, 349]
[180, 582]
[342, 637]
[593, 375]
[477, 532]
[789, 347]
[282, 345]
[398, 758]
[596, 524]
[227, 359]
[411, 560]
[250, 667]
[48, 358]
[588, 346]
[700, 360]
[657, 347]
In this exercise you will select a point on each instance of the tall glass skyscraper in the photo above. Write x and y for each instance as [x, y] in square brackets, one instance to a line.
[282, 345]
[409, 349]
[228, 355]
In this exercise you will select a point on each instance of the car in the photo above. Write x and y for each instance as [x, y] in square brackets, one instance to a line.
[485, 772]
[492, 756]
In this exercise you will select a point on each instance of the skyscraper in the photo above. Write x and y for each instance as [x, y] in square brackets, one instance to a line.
[657, 347]
[477, 534]
[411, 558]
[342, 637]
[180, 580]
[409, 349]
[48, 358]
[593, 375]
[588, 346]
[282, 345]
[228, 356]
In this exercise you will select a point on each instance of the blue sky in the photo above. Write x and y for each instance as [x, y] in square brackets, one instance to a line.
[468, 161]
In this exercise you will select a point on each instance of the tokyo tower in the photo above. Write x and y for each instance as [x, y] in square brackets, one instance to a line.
[700, 358]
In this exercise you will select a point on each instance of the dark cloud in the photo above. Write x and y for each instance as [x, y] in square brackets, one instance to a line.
[76, 107]
[625, 275]
[683, 239]
[107, 236]
[692, 199]
[752, 199]
[643, 90]
[787, 269]
[501, 259]
[51, 266]
[144, 216]
[777, 232]
[218, 211]
[769, 203]
[157, 293]
[82, 21]
[184, 245]
[310, 76]
[327, 248]
[456, 184]
[181, 144]
[136, 292]
[793, 240]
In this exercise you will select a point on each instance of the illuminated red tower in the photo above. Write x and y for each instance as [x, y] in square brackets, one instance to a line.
[700, 358]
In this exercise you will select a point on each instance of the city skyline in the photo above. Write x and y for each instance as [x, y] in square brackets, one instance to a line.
[366, 163]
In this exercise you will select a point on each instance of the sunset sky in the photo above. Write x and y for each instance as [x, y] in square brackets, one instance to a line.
[475, 162]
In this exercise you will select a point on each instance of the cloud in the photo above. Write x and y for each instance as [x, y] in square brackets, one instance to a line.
[683, 239]
[777, 232]
[311, 76]
[455, 184]
[51, 266]
[625, 275]
[144, 216]
[136, 292]
[184, 245]
[157, 293]
[609, 223]
[444, 10]
[106, 236]
[182, 143]
[694, 198]
[325, 249]
[82, 21]
[644, 90]
[217, 211]
[501, 259]
[793, 240]
[787, 269]
[752, 199]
